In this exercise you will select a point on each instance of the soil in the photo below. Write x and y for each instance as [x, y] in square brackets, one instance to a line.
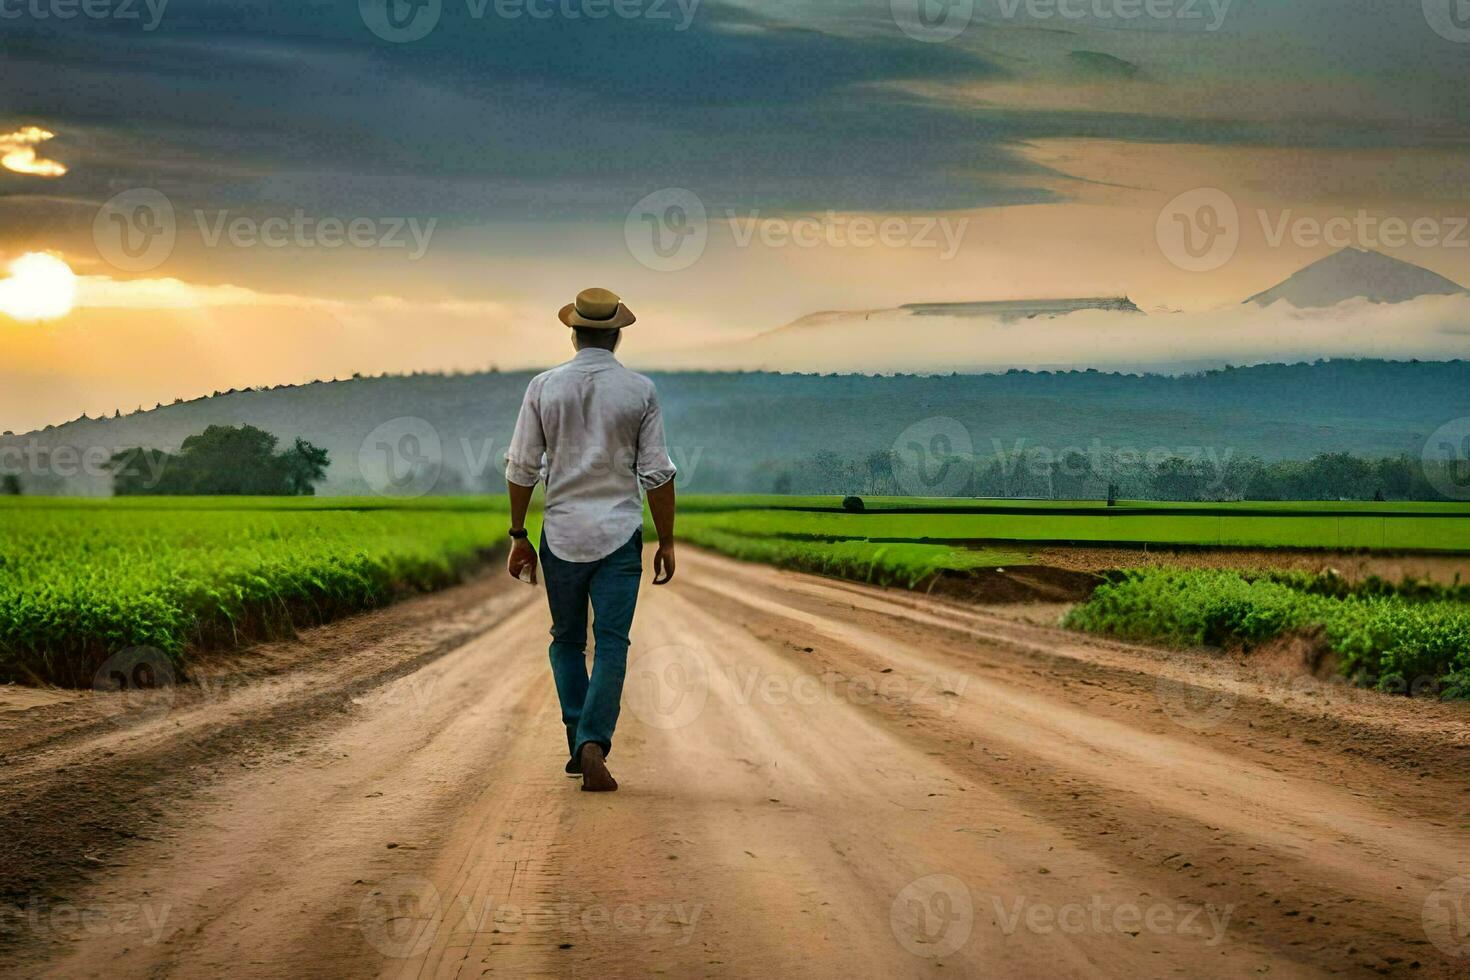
[1015, 584]
[1068, 575]
[1354, 566]
[815, 777]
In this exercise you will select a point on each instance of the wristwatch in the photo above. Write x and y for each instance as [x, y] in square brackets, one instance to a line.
[520, 535]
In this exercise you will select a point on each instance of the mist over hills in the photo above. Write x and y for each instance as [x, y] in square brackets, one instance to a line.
[1351, 304]
[734, 432]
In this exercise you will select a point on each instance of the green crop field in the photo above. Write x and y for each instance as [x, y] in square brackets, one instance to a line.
[81, 579]
[1398, 637]
[904, 540]
[1332, 526]
[705, 503]
[1398, 642]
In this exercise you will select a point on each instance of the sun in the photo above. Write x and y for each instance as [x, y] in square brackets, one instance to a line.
[40, 287]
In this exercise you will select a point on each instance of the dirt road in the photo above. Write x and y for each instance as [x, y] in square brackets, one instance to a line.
[818, 778]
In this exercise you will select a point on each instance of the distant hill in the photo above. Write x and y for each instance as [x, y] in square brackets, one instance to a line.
[735, 431]
[1357, 274]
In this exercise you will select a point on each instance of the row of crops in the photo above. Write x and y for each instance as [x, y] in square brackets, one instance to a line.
[1397, 639]
[80, 580]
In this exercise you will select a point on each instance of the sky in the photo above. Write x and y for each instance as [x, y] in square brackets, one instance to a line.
[250, 192]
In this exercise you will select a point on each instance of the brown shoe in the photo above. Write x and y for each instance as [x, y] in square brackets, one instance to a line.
[595, 777]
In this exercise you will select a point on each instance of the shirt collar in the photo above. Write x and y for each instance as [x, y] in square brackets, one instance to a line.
[594, 356]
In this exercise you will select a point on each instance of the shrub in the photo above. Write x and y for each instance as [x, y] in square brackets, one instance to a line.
[1391, 639]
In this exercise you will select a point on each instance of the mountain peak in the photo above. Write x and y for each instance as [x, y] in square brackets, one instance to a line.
[1355, 273]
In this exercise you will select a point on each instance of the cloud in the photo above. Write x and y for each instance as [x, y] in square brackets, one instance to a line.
[765, 103]
[106, 293]
[18, 153]
[1103, 65]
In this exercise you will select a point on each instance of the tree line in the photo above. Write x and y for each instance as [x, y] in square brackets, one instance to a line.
[221, 460]
[1095, 476]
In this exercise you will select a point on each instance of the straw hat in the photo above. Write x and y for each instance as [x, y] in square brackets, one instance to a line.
[597, 309]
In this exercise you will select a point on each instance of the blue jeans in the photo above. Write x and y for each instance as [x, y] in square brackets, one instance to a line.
[589, 706]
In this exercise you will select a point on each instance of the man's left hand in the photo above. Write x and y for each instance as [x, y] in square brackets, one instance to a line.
[663, 564]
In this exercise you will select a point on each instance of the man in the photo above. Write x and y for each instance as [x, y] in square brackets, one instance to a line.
[599, 429]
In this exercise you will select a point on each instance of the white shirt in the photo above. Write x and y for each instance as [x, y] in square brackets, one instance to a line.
[593, 431]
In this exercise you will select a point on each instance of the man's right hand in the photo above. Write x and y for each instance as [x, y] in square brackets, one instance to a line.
[522, 556]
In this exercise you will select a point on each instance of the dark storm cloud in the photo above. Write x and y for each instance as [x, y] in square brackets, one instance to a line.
[277, 104]
[509, 116]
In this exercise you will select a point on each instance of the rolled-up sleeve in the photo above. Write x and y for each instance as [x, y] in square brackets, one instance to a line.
[655, 468]
[523, 460]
